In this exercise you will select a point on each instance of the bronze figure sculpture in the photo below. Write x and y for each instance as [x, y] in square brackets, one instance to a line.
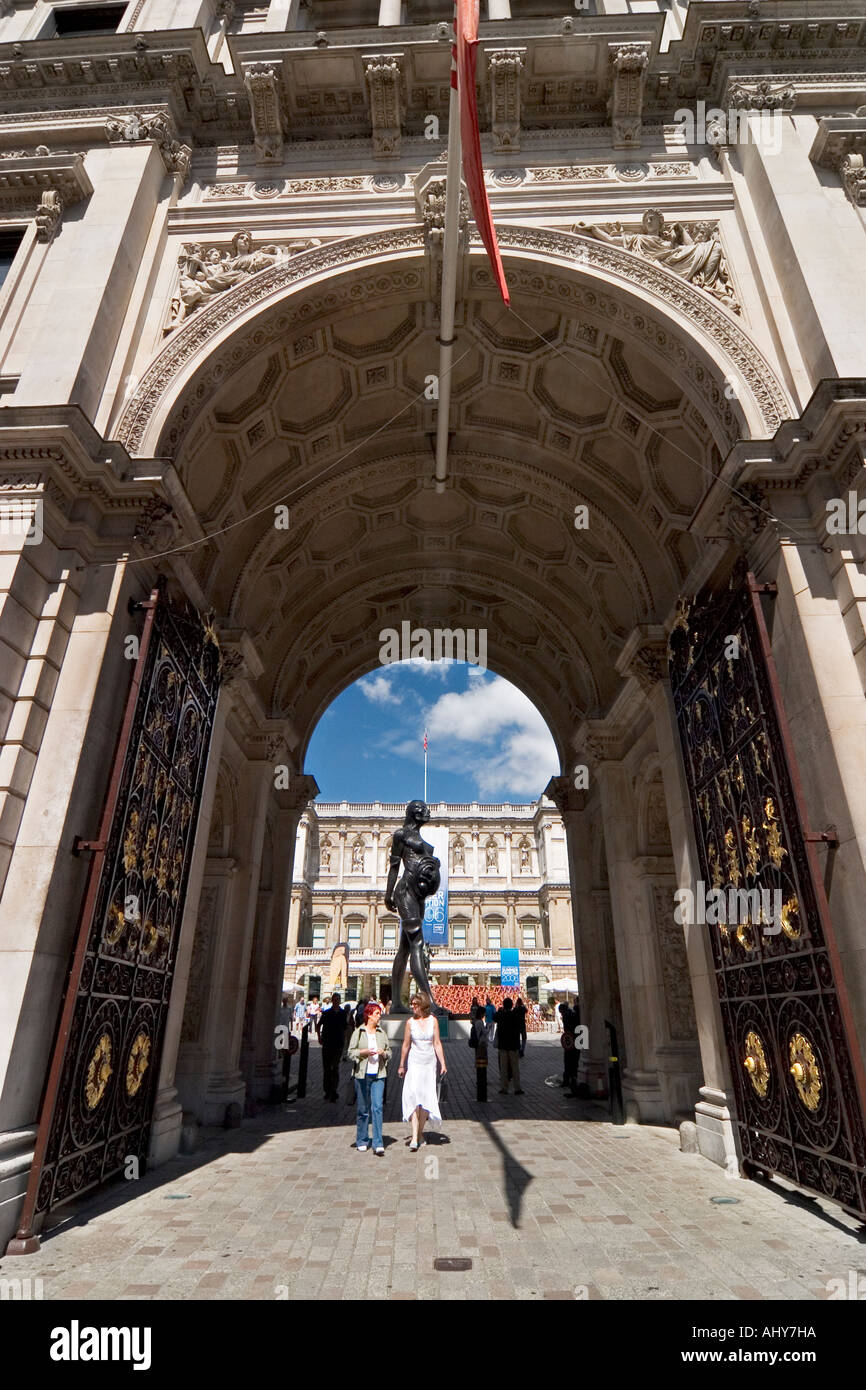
[419, 880]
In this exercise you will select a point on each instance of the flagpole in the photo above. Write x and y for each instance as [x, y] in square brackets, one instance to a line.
[450, 244]
[425, 775]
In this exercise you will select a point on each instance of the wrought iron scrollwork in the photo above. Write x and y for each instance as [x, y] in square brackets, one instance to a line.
[797, 1101]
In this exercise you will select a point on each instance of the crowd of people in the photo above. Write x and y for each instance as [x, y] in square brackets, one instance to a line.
[355, 1034]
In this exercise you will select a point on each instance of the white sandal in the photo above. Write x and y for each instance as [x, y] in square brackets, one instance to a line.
[412, 1146]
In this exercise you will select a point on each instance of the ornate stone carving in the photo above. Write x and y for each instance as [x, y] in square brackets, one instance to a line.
[262, 81]
[645, 656]
[205, 273]
[747, 513]
[675, 975]
[625, 107]
[761, 95]
[854, 179]
[772, 402]
[503, 71]
[694, 253]
[433, 205]
[133, 127]
[383, 74]
[48, 215]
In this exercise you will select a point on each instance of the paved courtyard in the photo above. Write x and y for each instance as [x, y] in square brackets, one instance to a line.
[547, 1199]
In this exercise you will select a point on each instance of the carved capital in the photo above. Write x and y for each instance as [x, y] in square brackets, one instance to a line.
[383, 74]
[432, 203]
[625, 108]
[854, 179]
[503, 70]
[645, 656]
[264, 88]
[562, 793]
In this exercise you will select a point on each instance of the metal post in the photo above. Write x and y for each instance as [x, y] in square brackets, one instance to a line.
[450, 256]
[481, 1073]
[614, 1080]
[303, 1062]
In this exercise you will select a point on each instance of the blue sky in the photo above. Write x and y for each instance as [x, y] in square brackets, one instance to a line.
[487, 741]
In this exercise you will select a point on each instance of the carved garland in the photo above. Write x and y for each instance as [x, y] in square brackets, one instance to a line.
[629, 269]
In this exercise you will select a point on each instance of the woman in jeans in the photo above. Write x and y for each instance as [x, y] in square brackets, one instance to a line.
[369, 1052]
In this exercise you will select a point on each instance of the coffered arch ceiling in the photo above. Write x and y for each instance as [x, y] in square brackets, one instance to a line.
[571, 400]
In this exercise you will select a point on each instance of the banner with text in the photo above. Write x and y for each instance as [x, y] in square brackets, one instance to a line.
[436, 906]
[509, 966]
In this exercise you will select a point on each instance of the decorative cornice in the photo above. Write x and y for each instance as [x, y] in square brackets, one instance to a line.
[840, 144]
[42, 185]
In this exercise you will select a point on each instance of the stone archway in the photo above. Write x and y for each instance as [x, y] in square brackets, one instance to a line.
[306, 383]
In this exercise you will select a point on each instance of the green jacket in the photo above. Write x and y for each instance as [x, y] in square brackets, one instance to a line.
[359, 1063]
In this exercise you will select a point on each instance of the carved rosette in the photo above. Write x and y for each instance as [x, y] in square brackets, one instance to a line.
[504, 69]
[625, 108]
[262, 81]
[383, 74]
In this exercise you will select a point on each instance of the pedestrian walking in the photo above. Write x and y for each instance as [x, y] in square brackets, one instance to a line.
[422, 1047]
[474, 1009]
[369, 1051]
[570, 1020]
[520, 1014]
[330, 1030]
[508, 1042]
[313, 1011]
[300, 1014]
[350, 1028]
[490, 1019]
[359, 1011]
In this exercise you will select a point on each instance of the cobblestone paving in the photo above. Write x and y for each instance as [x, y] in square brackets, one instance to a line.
[546, 1198]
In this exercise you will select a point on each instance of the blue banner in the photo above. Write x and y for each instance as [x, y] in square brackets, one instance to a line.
[435, 925]
[509, 967]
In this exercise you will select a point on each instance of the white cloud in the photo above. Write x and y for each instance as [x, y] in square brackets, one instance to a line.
[378, 690]
[514, 753]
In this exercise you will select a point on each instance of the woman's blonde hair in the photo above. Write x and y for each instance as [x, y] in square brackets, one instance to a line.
[424, 1000]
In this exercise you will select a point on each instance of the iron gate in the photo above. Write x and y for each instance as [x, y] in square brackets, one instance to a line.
[797, 1078]
[101, 1086]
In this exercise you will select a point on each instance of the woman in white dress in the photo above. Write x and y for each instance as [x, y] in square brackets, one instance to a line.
[422, 1047]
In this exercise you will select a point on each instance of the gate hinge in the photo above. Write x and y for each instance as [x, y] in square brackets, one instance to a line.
[823, 837]
[80, 846]
[770, 588]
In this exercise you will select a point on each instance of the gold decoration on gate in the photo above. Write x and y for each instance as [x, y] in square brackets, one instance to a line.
[805, 1071]
[750, 839]
[715, 866]
[775, 848]
[130, 843]
[733, 858]
[790, 916]
[745, 934]
[148, 853]
[139, 1060]
[99, 1071]
[115, 924]
[755, 1062]
[737, 774]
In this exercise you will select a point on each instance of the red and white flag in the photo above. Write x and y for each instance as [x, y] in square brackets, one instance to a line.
[463, 77]
[425, 740]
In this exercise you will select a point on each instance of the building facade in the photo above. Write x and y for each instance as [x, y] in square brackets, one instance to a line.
[507, 887]
[221, 241]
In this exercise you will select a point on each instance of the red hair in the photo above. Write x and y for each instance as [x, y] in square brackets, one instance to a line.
[371, 1008]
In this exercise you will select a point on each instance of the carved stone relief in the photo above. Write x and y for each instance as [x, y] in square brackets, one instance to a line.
[693, 252]
[675, 973]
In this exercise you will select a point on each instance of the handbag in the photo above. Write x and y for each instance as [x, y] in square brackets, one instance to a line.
[350, 1087]
[442, 1089]
[473, 1038]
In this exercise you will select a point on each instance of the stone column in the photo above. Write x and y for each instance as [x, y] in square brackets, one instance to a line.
[589, 947]
[508, 864]
[224, 1084]
[475, 836]
[390, 12]
[264, 1065]
[498, 9]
